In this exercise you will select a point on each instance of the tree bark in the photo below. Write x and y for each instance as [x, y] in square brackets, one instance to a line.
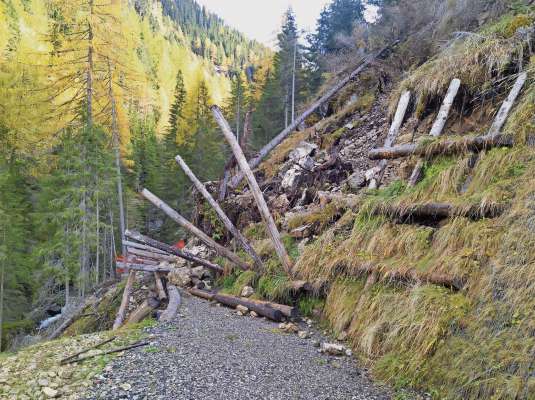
[134, 245]
[202, 294]
[171, 250]
[119, 319]
[183, 222]
[450, 147]
[392, 136]
[143, 267]
[174, 303]
[2, 281]
[144, 310]
[260, 309]
[255, 189]
[255, 162]
[287, 311]
[222, 216]
[438, 127]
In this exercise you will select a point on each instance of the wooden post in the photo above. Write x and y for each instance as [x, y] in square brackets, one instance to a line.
[312, 109]
[152, 255]
[140, 246]
[144, 310]
[255, 189]
[172, 250]
[392, 136]
[119, 319]
[222, 216]
[507, 105]
[183, 222]
[438, 126]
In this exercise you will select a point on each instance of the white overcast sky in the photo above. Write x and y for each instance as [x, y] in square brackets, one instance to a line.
[261, 19]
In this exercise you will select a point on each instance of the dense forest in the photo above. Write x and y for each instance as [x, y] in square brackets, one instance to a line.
[97, 98]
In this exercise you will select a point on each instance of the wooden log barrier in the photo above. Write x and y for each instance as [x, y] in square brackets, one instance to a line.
[144, 310]
[262, 310]
[172, 250]
[183, 222]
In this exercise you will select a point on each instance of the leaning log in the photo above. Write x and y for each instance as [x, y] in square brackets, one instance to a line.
[144, 310]
[183, 222]
[507, 105]
[255, 162]
[159, 286]
[172, 250]
[437, 211]
[438, 126]
[260, 309]
[255, 189]
[393, 133]
[447, 147]
[119, 319]
[221, 214]
[174, 303]
[91, 301]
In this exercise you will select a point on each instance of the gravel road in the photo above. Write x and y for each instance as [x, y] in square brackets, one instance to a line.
[211, 353]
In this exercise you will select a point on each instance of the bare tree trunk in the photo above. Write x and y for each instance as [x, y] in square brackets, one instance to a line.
[2, 282]
[392, 136]
[116, 149]
[222, 216]
[255, 189]
[507, 105]
[112, 261]
[183, 222]
[174, 303]
[293, 81]
[255, 162]
[97, 261]
[159, 286]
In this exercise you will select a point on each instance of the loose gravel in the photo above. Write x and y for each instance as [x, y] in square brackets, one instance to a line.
[211, 353]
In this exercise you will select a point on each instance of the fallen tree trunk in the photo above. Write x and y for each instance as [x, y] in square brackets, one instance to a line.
[151, 255]
[448, 147]
[255, 162]
[91, 301]
[260, 309]
[144, 310]
[96, 346]
[438, 211]
[287, 311]
[507, 105]
[202, 294]
[119, 319]
[140, 246]
[255, 189]
[143, 267]
[172, 250]
[112, 351]
[222, 216]
[411, 276]
[183, 222]
[174, 303]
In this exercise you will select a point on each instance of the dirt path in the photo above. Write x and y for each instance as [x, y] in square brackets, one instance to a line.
[211, 353]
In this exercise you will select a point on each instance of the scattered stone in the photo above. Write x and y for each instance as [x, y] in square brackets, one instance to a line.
[42, 382]
[240, 313]
[356, 181]
[125, 386]
[288, 327]
[303, 334]
[349, 353]
[316, 343]
[247, 291]
[253, 314]
[50, 393]
[333, 349]
[342, 337]
[244, 310]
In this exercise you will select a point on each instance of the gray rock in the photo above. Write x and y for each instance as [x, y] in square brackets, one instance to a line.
[247, 291]
[50, 393]
[356, 181]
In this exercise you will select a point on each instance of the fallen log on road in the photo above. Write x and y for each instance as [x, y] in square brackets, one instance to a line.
[262, 310]
[447, 147]
[203, 294]
[287, 311]
[174, 303]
